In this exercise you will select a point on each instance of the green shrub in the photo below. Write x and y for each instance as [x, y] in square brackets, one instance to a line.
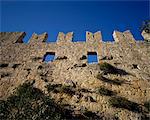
[85, 90]
[68, 90]
[58, 88]
[104, 79]
[29, 103]
[147, 105]
[104, 91]
[3, 109]
[89, 115]
[53, 87]
[108, 68]
[28, 91]
[121, 102]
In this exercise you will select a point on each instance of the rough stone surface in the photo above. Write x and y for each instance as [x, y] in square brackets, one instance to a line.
[146, 36]
[20, 62]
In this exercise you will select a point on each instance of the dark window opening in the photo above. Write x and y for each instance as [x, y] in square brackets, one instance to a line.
[92, 57]
[49, 57]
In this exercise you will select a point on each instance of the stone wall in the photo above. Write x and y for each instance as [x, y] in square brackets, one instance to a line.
[20, 62]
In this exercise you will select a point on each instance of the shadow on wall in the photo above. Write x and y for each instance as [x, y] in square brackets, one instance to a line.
[109, 69]
[29, 102]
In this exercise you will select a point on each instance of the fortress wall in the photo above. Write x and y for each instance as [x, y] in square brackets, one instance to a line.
[37, 46]
[124, 48]
[25, 62]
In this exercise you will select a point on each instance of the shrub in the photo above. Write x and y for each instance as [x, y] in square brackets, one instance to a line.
[68, 90]
[85, 90]
[104, 91]
[58, 88]
[3, 109]
[115, 81]
[53, 87]
[89, 115]
[108, 68]
[121, 102]
[147, 105]
[29, 103]
[28, 91]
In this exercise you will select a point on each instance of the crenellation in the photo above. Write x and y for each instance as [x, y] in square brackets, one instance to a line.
[128, 75]
[128, 36]
[69, 37]
[118, 36]
[11, 37]
[62, 37]
[89, 36]
[38, 38]
[96, 37]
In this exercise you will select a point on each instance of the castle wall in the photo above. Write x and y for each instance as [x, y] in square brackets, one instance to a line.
[25, 62]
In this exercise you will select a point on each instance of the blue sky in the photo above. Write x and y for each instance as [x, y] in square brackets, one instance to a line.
[77, 16]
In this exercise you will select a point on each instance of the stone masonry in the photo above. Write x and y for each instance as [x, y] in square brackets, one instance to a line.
[20, 62]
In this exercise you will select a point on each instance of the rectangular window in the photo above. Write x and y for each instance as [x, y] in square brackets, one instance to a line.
[92, 57]
[49, 57]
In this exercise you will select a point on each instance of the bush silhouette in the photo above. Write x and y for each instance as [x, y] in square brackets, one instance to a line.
[109, 69]
[58, 88]
[147, 105]
[104, 79]
[121, 102]
[104, 91]
[29, 103]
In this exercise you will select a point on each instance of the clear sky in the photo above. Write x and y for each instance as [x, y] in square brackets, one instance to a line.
[77, 16]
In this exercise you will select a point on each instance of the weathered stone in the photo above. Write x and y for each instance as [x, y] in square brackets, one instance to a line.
[70, 68]
[146, 35]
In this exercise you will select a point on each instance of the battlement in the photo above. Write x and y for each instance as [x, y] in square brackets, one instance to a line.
[13, 48]
[17, 37]
[82, 74]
